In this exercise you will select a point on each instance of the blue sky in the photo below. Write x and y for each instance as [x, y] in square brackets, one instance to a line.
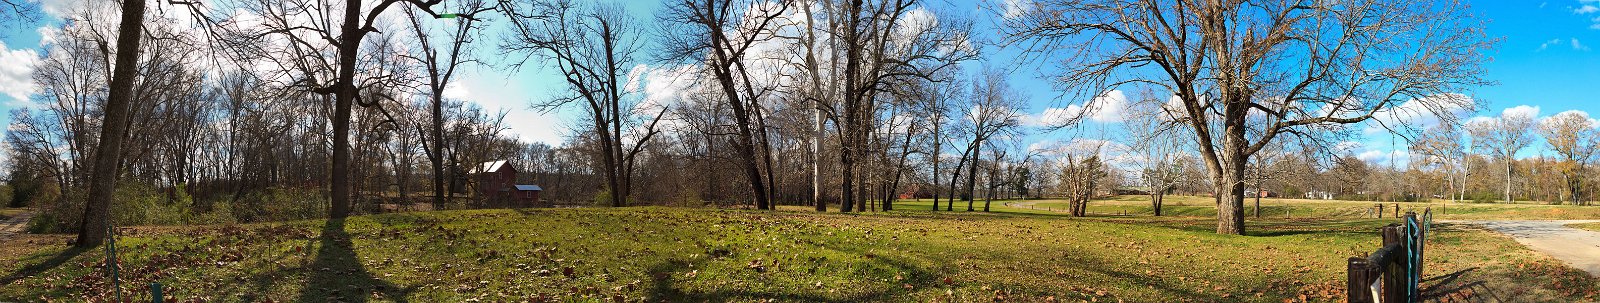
[1547, 59]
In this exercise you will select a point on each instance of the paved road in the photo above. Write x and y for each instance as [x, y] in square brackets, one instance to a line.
[1579, 248]
[14, 225]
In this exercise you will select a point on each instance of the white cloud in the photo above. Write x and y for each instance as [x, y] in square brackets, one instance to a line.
[456, 91]
[1110, 107]
[1547, 44]
[1113, 153]
[1587, 7]
[1016, 8]
[61, 8]
[1521, 111]
[1578, 46]
[1478, 120]
[663, 85]
[16, 73]
[501, 94]
[1581, 114]
[1379, 157]
[1423, 113]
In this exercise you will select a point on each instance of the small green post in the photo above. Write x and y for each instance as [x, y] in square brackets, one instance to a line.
[155, 292]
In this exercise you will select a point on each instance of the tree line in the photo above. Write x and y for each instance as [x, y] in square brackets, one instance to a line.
[835, 105]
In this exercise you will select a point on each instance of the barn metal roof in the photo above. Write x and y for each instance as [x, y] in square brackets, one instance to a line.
[491, 166]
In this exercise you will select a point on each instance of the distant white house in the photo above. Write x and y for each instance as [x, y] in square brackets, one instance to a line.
[1319, 195]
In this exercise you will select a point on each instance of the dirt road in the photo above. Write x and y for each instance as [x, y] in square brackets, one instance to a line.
[1579, 248]
[14, 225]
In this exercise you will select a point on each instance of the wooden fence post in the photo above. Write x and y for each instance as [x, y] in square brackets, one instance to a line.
[1394, 272]
[1359, 280]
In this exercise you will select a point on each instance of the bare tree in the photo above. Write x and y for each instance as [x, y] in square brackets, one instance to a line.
[1503, 137]
[16, 13]
[1267, 166]
[1080, 179]
[1160, 147]
[440, 59]
[1441, 146]
[993, 111]
[1571, 134]
[1304, 67]
[304, 59]
[594, 48]
[721, 34]
[108, 156]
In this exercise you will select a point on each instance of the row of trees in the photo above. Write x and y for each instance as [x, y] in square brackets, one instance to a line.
[849, 103]
[219, 109]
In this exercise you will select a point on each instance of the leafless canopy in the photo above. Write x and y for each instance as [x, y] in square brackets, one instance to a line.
[1299, 65]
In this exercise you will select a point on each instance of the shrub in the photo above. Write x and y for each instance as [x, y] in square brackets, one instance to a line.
[602, 198]
[280, 204]
[140, 204]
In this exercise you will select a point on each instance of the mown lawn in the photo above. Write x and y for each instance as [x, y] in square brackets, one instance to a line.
[1589, 226]
[653, 254]
[1193, 206]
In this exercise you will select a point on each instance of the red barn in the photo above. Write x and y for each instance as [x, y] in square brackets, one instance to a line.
[528, 195]
[497, 185]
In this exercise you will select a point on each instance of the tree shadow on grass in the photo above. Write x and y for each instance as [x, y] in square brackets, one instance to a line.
[1449, 288]
[337, 274]
[37, 268]
[662, 285]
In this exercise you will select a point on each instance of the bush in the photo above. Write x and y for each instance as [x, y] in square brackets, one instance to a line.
[602, 198]
[140, 204]
[280, 204]
[5, 195]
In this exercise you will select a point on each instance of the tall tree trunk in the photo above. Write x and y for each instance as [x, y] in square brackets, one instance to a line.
[846, 174]
[972, 173]
[899, 171]
[1155, 202]
[436, 153]
[810, 40]
[1508, 179]
[1258, 192]
[1230, 194]
[108, 156]
[936, 155]
[766, 151]
[745, 137]
[344, 98]
[955, 177]
[816, 160]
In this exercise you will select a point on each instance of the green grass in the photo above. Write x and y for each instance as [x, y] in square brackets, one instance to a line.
[7, 213]
[1196, 206]
[1589, 226]
[691, 255]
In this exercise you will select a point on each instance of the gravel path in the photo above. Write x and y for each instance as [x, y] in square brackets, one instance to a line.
[1579, 248]
[14, 225]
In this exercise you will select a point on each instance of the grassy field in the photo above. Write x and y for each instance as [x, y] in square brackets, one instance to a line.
[653, 254]
[1588, 226]
[7, 213]
[1194, 206]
